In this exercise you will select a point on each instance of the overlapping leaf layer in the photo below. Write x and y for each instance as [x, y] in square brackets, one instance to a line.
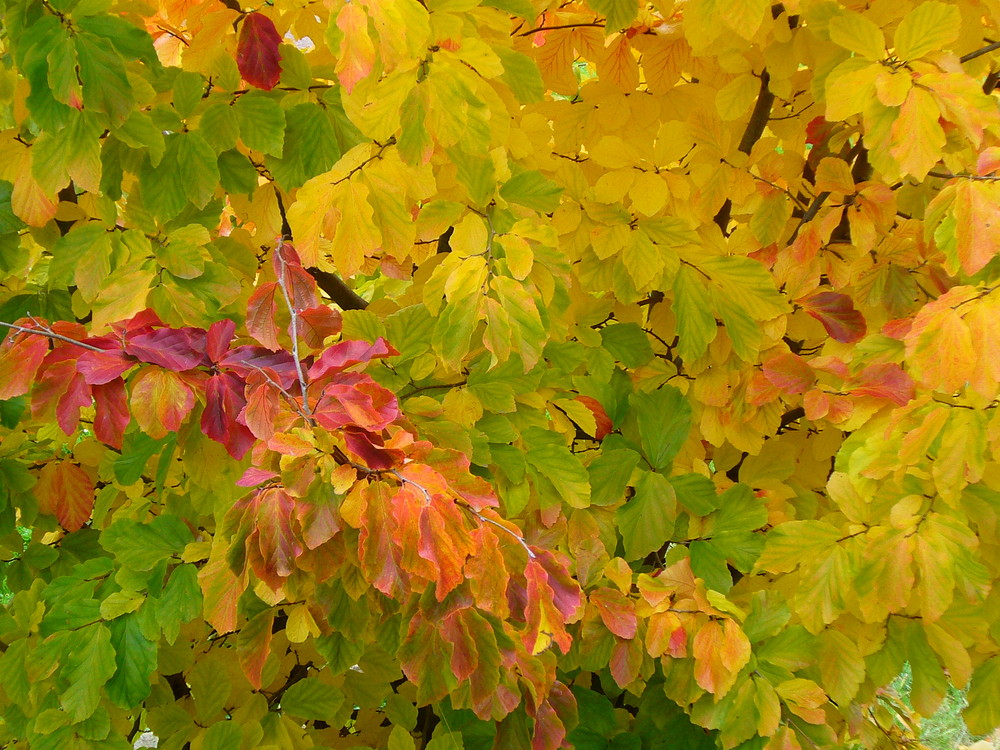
[497, 373]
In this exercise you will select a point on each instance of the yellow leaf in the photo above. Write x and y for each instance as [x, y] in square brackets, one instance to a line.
[940, 350]
[735, 98]
[301, 624]
[30, 203]
[120, 603]
[649, 193]
[977, 224]
[355, 236]
[850, 87]
[929, 27]
[953, 654]
[470, 236]
[834, 175]
[643, 260]
[917, 134]
[620, 66]
[743, 16]
[859, 34]
[892, 86]
[520, 256]
[462, 407]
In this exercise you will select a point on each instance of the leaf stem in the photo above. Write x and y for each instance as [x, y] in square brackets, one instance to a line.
[49, 333]
[282, 283]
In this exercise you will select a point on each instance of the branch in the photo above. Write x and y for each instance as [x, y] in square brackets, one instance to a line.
[283, 285]
[754, 130]
[49, 333]
[981, 51]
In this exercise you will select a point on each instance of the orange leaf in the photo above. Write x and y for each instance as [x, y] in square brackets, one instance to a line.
[357, 53]
[837, 314]
[160, 401]
[261, 309]
[619, 65]
[977, 224]
[18, 363]
[790, 373]
[65, 491]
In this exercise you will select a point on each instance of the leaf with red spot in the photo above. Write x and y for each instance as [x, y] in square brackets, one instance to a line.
[790, 373]
[160, 401]
[837, 314]
[604, 424]
[261, 309]
[257, 55]
[357, 52]
[67, 492]
[616, 610]
[370, 449]
[885, 381]
[19, 361]
[111, 415]
[347, 353]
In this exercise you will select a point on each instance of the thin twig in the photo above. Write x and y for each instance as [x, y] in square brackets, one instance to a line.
[981, 51]
[49, 333]
[282, 284]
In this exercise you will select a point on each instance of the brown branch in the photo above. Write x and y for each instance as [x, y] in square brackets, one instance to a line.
[754, 130]
[979, 52]
[561, 26]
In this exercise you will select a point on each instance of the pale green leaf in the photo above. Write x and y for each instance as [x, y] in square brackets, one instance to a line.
[262, 123]
[646, 522]
[312, 699]
[929, 27]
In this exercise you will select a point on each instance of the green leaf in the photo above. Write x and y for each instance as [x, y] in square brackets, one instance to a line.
[739, 510]
[532, 190]
[519, 70]
[139, 546]
[89, 660]
[312, 699]
[11, 411]
[236, 173]
[180, 602]
[223, 735]
[310, 147]
[475, 173]
[138, 448]
[747, 284]
[646, 522]
[696, 493]
[131, 41]
[220, 127]
[550, 460]
[664, 418]
[522, 8]
[262, 123]
[619, 14]
[105, 85]
[696, 327]
[793, 542]
[627, 343]
[188, 88]
[135, 660]
[983, 712]
[609, 475]
[198, 170]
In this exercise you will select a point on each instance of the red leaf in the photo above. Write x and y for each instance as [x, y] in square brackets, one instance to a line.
[604, 425]
[837, 314]
[18, 363]
[549, 730]
[319, 522]
[257, 55]
[224, 402]
[347, 353]
[262, 405]
[487, 573]
[104, 366]
[790, 373]
[617, 611]
[254, 476]
[76, 397]
[626, 660]
[886, 381]
[220, 333]
[65, 491]
[316, 323]
[247, 360]
[261, 309]
[174, 349]
[363, 403]
[111, 415]
[370, 449]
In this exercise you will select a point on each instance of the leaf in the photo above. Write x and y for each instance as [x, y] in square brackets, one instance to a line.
[664, 418]
[532, 190]
[977, 231]
[262, 308]
[88, 663]
[720, 652]
[160, 401]
[696, 326]
[837, 314]
[257, 55]
[983, 712]
[919, 137]
[18, 363]
[357, 53]
[795, 542]
[312, 699]
[646, 522]
[790, 373]
[135, 661]
[67, 492]
[930, 26]
[141, 546]
[618, 14]
[310, 147]
[859, 34]
[262, 123]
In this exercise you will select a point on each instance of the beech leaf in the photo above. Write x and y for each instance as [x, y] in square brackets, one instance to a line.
[257, 55]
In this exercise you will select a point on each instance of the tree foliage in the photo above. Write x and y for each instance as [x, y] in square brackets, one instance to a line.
[497, 373]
